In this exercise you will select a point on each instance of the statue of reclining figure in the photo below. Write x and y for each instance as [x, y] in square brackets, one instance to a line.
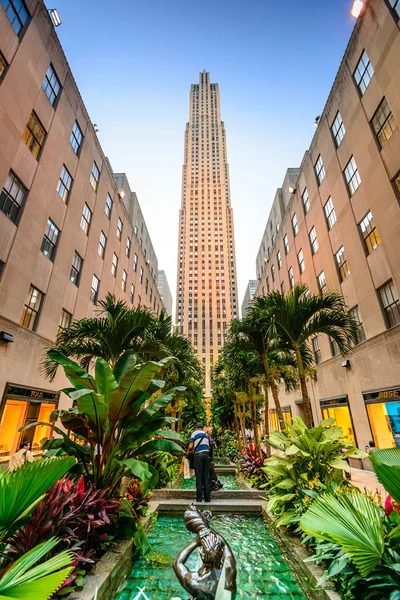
[214, 550]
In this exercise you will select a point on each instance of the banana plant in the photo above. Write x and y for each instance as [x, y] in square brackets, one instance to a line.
[23, 489]
[24, 580]
[117, 419]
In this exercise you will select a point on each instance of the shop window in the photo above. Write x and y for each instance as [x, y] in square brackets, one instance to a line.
[274, 424]
[19, 410]
[383, 409]
[338, 409]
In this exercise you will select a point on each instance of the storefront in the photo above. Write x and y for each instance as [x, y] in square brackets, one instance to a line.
[383, 409]
[19, 407]
[273, 417]
[338, 409]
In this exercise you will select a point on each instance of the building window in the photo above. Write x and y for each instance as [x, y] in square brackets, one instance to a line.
[383, 123]
[139, 300]
[3, 65]
[76, 268]
[352, 176]
[300, 259]
[108, 206]
[119, 228]
[66, 319]
[322, 283]
[395, 4]
[94, 177]
[151, 295]
[316, 350]
[30, 314]
[396, 184]
[135, 263]
[128, 247]
[279, 260]
[334, 347]
[319, 170]
[132, 294]
[34, 135]
[124, 278]
[102, 244]
[64, 184]
[273, 272]
[342, 265]
[141, 275]
[338, 130]
[94, 290]
[50, 237]
[295, 226]
[12, 197]
[306, 201]
[114, 265]
[291, 278]
[363, 73]
[370, 233]
[330, 214]
[313, 240]
[16, 12]
[390, 303]
[51, 85]
[2, 266]
[361, 337]
[86, 219]
[147, 286]
[282, 287]
[268, 289]
[76, 138]
[286, 243]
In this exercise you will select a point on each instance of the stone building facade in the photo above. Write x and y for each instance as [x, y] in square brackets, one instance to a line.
[71, 230]
[338, 227]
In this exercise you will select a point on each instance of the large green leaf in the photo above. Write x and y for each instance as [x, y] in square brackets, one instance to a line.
[124, 365]
[163, 445]
[77, 376]
[353, 522]
[386, 464]
[105, 380]
[94, 407]
[132, 385]
[138, 468]
[22, 490]
[23, 580]
[168, 434]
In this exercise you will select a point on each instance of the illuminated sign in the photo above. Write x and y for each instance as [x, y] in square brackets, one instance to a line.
[390, 394]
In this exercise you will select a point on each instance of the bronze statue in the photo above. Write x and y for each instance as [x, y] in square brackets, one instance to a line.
[214, 550]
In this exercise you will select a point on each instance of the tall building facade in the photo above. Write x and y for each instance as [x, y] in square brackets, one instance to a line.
[71, 230]
[165, 292]
[337, 228]
[206, 281]
[249, 295]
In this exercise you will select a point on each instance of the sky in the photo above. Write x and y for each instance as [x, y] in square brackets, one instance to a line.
[274, 61]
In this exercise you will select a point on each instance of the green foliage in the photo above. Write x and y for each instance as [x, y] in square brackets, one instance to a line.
[120, 423]
[228, 446]
[313, 458]
[386, 464]
[23, 580]
[23, 489]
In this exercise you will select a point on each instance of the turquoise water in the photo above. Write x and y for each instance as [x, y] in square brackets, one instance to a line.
[231, 482]
[261, 571]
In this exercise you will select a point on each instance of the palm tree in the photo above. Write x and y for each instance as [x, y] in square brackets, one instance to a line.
[297, 317]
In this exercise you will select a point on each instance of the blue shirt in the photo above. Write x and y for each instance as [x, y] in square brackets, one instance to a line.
[204, 444]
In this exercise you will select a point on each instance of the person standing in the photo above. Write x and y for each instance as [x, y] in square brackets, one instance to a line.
[200, 444]
[20, 458]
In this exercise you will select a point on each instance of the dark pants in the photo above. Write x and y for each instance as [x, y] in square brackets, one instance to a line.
[202, 470]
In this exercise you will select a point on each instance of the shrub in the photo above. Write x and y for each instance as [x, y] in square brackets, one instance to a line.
[250, 464]
[312, 459]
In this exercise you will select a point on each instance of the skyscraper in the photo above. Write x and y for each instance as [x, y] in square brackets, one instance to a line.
[206, 282]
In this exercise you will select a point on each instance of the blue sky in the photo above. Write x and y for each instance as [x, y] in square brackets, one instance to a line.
[274, 61]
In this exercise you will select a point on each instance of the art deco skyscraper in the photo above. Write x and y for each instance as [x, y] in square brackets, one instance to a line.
[206, 282]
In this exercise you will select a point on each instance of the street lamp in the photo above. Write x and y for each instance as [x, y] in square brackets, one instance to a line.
[121, 194]
[357, 8]
[292, 189]
[55, 17]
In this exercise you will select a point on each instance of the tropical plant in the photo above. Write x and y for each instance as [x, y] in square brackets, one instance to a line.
[312, 459]
[294, 318]
[22, 490]
[250, 464]
[74, 513]
[386, 464]
[361, 544]
[118, 419]
[139, 496]
[23, 580]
